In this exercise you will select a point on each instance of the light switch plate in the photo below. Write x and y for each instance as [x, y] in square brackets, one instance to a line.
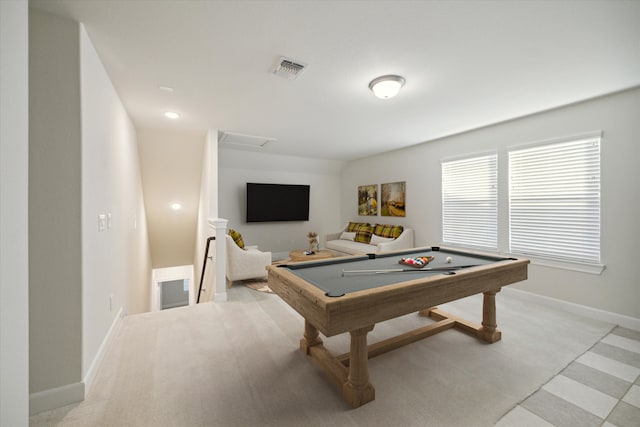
[102, 222]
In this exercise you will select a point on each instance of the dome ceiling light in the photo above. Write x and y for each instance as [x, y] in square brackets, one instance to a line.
[172, 115]
[385, 87]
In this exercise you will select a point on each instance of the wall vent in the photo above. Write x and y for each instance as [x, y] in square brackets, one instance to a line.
[232, 139]
[289, 68]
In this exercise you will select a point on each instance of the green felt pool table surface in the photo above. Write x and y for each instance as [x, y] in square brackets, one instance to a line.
[339, 276]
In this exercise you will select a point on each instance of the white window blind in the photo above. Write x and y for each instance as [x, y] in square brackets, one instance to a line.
[470, 202]
[554, 200]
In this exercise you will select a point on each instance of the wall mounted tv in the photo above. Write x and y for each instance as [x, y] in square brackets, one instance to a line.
[277, 202]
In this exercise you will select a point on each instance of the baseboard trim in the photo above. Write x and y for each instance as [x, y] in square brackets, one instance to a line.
[55, 398]
[174, 305]
[95, 364]
[582, 310]
[72, 393]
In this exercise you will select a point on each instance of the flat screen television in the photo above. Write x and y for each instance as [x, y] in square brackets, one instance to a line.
[277, 202]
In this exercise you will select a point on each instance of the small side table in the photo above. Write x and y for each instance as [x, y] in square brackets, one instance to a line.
[299, 255]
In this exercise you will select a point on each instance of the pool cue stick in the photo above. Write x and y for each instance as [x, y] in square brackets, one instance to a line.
[407, 270]
[392, 270]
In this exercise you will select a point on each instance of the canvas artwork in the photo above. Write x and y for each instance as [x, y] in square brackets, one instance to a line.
[393, 199]
[368, 200]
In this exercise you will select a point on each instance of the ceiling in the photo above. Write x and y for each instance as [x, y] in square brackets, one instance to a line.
[467, 64]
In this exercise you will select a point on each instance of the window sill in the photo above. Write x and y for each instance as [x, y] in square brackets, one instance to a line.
[563, 264]
[581, 267]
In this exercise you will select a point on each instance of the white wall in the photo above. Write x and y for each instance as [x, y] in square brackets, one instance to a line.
[116, 263]
[236, 168]
[171, 162]
[616, 289]
[207, 208]
[14, 159]
[213, 165]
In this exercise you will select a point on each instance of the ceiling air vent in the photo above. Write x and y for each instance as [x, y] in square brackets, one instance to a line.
[289, 68]
[232, 139]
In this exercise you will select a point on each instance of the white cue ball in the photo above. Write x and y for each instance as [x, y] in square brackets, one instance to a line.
[449, 259]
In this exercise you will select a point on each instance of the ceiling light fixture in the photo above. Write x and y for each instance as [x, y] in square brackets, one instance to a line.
[176, 206]
[172, 115]
[385, 87]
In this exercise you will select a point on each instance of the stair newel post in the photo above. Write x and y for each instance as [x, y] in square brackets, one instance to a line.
[220, 227]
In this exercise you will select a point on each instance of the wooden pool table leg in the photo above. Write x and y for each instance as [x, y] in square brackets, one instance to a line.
[311, 337]
[488, 332]
[358, 390]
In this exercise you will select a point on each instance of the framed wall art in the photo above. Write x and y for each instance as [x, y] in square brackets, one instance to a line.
[392, 197]
[368, 200]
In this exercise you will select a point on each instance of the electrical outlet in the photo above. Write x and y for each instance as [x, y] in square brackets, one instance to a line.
[102, 222]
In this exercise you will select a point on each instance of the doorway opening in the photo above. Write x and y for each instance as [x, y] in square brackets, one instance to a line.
[172, 287]
[174, 293]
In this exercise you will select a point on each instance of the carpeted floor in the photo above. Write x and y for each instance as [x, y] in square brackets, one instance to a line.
[237, 364]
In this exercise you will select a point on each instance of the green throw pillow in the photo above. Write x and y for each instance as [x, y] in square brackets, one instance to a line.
[388, 231]
[363, 233]
[237, 237]
[354, 225]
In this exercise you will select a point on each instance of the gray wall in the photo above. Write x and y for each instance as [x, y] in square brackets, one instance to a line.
[55, 274]
[236, 168]
[14, 160]
[616, 289]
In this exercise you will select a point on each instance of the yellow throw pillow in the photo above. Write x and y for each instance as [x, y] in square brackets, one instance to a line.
[237, 237]
[388, 231]
[354, 225]
[363, 233]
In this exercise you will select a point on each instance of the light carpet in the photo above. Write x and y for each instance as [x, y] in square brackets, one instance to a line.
[237, 364]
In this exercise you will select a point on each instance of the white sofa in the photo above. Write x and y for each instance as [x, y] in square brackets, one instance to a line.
[348, 247]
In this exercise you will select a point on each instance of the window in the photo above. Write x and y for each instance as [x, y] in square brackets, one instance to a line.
[554, 200]
[470, 202]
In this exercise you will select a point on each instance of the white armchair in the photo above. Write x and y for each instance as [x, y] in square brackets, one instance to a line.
[248, 263]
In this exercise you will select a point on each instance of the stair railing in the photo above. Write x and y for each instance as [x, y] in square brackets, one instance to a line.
[204, 265]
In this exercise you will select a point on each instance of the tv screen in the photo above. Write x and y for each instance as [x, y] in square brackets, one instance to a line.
[277, 202]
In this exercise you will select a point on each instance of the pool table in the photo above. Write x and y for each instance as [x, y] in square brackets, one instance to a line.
[352, 294]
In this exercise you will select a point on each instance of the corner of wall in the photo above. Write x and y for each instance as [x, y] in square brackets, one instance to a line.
[56, 397]
[208, 206]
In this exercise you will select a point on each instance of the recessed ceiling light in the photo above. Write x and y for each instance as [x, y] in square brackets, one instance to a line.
[386, 87]
[176, 206]
[172, 115]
